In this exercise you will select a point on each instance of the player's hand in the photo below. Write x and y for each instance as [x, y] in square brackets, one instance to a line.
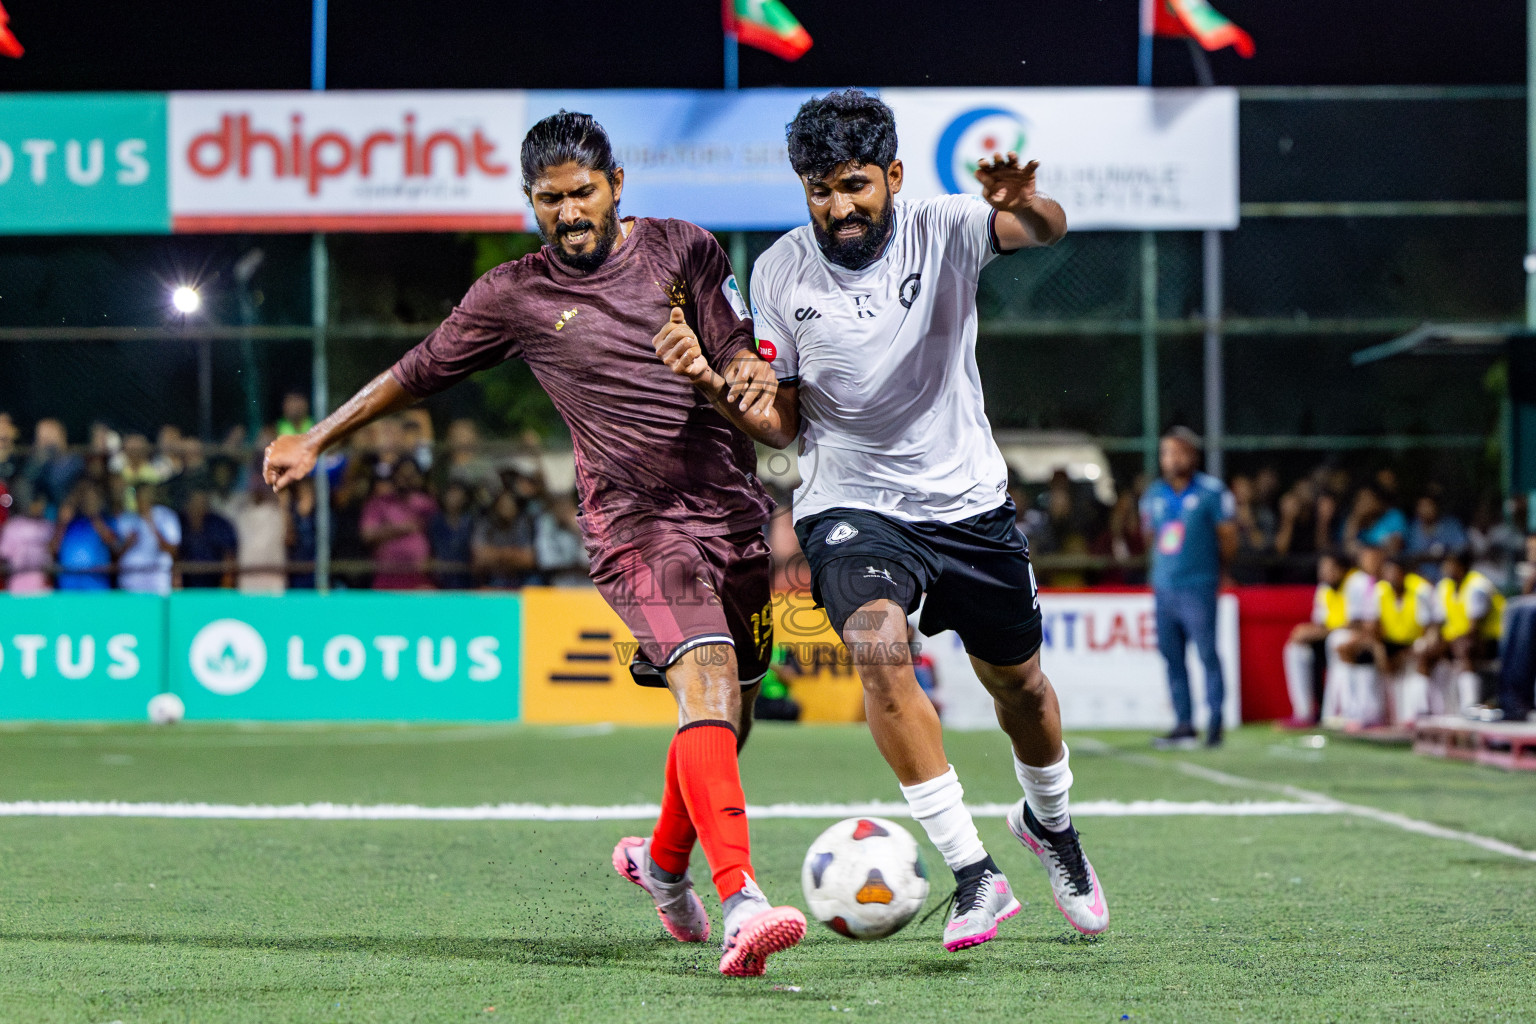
[1004, 183]
[751, 384]
[289, 459]
[679, 348]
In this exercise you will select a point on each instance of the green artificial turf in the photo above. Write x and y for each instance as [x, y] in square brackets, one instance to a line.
[1307, 918]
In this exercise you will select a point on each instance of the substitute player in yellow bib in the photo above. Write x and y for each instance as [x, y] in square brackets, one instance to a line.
[1471, 611]
[1305, 653]
[1351, 696]
[1405, 640]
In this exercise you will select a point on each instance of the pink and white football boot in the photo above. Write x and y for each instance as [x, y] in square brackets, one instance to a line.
[679, 907]
[754, 930]
[982, 899]
[1079, 896]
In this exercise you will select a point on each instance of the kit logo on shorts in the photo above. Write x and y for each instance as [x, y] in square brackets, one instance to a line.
[841, 532]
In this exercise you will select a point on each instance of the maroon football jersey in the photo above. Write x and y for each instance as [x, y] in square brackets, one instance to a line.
[648, 444]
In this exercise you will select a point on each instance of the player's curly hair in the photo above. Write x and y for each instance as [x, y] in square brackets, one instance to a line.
[847, 126]
[566, 137]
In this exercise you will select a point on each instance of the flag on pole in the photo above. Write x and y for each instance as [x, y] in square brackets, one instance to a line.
[10, 46]
[767, 25]
[1197, 18]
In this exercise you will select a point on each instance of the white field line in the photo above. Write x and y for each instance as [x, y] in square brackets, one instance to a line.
[620, 812]
[1323, 800]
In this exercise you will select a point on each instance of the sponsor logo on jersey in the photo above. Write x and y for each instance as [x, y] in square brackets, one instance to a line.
[767, 349]
[841, 532]
[862, 308]
[909, 289]
[565, 318]
[676, 291]
[732, 295]
[807, 313]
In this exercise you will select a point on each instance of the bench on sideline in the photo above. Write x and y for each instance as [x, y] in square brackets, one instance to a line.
[1507, 745]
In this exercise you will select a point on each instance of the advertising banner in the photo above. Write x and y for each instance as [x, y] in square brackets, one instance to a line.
[80, 656]
[576, 655]
[811, 657]
[81, 164]
[575, 663]
[346, 161]
[714, 158]
[1100, 652]
[415, 657]
[1117, 159]
[1120, 159]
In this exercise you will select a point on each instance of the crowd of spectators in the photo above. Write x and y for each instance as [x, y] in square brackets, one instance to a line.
[1281, 529]
[132, 513]
[412, 511]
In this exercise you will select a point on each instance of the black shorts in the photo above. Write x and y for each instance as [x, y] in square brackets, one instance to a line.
[975, 573]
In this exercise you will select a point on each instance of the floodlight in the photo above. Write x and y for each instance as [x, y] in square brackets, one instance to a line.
[186, 300]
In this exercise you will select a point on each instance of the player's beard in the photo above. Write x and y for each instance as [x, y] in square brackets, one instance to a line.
[586, 262]
[858, 252]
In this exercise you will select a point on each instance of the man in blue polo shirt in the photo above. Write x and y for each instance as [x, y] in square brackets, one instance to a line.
[1188, 520]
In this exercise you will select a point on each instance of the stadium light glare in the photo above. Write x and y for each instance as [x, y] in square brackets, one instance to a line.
[186, 300]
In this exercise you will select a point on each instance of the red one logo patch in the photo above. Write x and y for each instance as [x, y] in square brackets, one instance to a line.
[766, 349]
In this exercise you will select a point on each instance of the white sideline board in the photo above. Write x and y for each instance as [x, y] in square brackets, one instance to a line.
[1100, 652]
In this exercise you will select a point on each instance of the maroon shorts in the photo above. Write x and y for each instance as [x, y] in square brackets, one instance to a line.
[676, 592]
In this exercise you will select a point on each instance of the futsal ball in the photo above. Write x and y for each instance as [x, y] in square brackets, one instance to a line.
[864, 878]
[166, 709]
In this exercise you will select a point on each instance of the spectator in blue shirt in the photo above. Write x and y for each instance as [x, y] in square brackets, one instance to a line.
[451, 533]
[208, 539]
[150, 534]
[1373, 522]
[51, 468]
[84, 544]
[1432, 536]
[1188, 520]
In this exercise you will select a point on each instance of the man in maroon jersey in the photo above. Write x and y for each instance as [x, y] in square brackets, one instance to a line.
[672, 511]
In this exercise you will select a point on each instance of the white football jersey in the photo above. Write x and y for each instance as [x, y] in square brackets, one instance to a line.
[1360, 597]
[891, 411]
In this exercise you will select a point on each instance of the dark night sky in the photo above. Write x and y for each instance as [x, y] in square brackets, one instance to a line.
[237, 44]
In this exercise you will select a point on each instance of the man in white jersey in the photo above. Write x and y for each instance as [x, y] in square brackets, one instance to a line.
[868, 315]
[1351, 691]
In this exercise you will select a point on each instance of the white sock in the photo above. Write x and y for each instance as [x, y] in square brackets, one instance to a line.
[939, 806]
[1469, 688]
[1045, 789]
[1413, 698]
[1298, 678]
[1368, 691]
[1336, 680]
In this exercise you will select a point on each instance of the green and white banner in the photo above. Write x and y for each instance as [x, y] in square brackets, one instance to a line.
[83, 164]
[81, 656]
[417, 657]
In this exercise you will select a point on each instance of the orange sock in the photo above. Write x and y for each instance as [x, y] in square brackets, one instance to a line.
[710, 780]
[674, 836]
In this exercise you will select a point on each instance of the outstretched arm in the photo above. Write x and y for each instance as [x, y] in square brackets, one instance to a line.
[291, 457]
[747, 393]
[1025, 217]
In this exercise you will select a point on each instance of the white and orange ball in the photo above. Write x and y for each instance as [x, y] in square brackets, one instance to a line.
[864, 878]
